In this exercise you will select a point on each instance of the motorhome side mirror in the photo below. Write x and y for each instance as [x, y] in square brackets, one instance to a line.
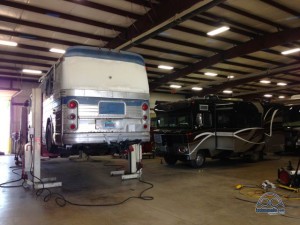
[199, 120]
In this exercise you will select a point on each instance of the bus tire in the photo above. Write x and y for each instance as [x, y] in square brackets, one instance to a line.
[199, 161]
[170, 159]
[49, 139]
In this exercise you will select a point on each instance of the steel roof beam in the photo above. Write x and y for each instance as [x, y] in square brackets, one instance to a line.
[37, 38]
[12, 61]
[253, 77]
[105, 8]
[144, 3]
[61, 15]
[252, 29]
[254, 45]
[252, 16]
[18, 76]
[158, 19]
[185, 43]
[53, 28]
[19, 54]
[282, 7]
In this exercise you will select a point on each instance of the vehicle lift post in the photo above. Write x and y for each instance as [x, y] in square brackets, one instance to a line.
[32, 151]
[135, 163]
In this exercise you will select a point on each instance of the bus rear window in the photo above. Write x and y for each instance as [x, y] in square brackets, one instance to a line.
[115, 108]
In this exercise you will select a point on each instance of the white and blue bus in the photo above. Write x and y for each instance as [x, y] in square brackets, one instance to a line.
[94, 96]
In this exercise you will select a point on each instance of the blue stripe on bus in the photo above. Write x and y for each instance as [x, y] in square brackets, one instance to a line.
[102, 53]
[96, 100]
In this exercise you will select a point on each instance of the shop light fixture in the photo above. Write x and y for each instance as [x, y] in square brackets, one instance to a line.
[230, 77]
[268, 95]
[210, 74]
[8, 43]
[227, 91]
[281, 84]
[164, 67]
[175, 86]
[265, 81]
[290, 51]
[57, 50]
[31, 71]
[197, 88]
[281, 96]
[218, 31]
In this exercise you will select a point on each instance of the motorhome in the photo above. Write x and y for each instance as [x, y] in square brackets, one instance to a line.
[192, 130]
[282, 125]
[95, 96]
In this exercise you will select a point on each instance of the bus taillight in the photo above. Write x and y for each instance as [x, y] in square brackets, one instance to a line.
[145, 117]
[72, 116]
[72, 126]
[144, 107]
[145, 126]
[72, 104]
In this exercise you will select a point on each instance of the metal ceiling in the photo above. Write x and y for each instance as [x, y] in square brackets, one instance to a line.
[168, 32]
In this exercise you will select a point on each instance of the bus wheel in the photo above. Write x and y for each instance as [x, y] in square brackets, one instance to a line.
[49, 140]
[170, 159]
[199, 161]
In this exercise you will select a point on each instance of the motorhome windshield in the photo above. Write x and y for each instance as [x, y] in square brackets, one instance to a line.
[292, 116]
[174, 120]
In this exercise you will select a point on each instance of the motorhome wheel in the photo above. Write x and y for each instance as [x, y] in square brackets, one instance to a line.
[256, 156]
[199, 161]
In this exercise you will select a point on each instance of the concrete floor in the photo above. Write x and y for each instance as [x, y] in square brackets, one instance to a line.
[182, 195]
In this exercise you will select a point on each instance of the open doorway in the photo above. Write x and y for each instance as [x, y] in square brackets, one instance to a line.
[5, 124]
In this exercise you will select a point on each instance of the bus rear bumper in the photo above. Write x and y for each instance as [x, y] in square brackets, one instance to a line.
[99, 138]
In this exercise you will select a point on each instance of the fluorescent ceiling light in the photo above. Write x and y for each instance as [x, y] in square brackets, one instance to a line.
[281, 84]
[230, 77]
[268, 95]
[265, 81]
[227, 91]
[197, 88]
[210, 74]
[290, 51]
[175, 86]
[281, 96]
[8, 43]
[57, 50]
[218, 31]
[164, 67]
[31, 71]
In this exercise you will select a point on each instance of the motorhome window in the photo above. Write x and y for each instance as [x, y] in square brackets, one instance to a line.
[247, 115]
[277, 120]
[207, 119]
[225, 119]
[199, 120]
[292, 116]
[174, 121]
[204, 119]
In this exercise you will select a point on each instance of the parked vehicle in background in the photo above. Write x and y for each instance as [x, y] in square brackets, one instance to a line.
[95, 97]
[192, 130]
[282, 124]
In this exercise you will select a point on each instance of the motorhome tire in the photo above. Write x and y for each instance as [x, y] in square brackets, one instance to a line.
[49, 139]
[170, 159]
[199, 161]
[256, 156]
